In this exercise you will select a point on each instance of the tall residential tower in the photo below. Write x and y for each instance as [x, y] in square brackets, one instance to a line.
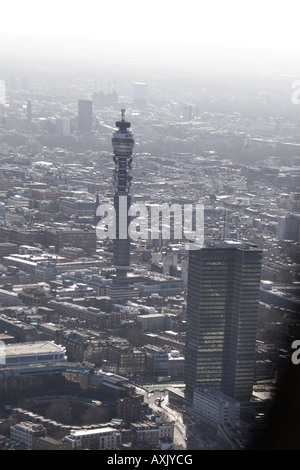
[222, 308]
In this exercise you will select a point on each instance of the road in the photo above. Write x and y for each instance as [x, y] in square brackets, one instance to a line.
[189, 432]
[167, 413]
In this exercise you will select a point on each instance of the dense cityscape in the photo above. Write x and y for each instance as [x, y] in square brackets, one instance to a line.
[147, 342]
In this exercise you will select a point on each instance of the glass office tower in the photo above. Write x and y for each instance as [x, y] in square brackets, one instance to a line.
[222, 307]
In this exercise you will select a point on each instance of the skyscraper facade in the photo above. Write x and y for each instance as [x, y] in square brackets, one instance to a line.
[289, 227]
[222, 306]
[139, 100]
[85, 116]
[122, 142]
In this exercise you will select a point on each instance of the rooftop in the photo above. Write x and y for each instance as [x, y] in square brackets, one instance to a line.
[87, 432]
[32, 347]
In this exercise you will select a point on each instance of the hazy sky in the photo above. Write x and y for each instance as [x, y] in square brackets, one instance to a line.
[264, 23]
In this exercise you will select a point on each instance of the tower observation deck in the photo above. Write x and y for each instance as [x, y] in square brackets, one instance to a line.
[122, 142]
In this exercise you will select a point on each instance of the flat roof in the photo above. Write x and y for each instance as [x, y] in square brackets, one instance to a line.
[152, 315]
[32, 348]
[86, 432]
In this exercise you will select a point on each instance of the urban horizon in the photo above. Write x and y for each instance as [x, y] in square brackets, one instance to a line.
[149, 229]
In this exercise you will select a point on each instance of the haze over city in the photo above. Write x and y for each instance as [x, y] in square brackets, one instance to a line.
[149, 342]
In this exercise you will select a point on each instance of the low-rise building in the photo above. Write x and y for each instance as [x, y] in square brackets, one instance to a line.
[102, 438]
[33, 353]
[25, 432]
[7, 249]
[176, 363]
[8, 298]
[157, 360]
[153, 322]
[49, 443]
[18, 329]
[132, 409]
[145, 432]
[93, 316]
[125, 360]
[215, 407]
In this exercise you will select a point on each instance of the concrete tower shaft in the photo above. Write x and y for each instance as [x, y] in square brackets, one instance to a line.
[123, 143]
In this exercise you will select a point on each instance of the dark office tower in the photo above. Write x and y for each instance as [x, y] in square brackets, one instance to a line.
[122, 142]
[85, 116]
[222, 305]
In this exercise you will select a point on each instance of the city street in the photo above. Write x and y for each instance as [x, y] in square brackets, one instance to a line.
[166, 412]
[189, 432]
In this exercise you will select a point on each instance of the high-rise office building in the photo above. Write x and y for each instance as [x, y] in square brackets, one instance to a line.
[139, 100]
[63, 126]
[222, 306]
[187, 113]
[122, 142]
[289, 227]
[85, 116]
